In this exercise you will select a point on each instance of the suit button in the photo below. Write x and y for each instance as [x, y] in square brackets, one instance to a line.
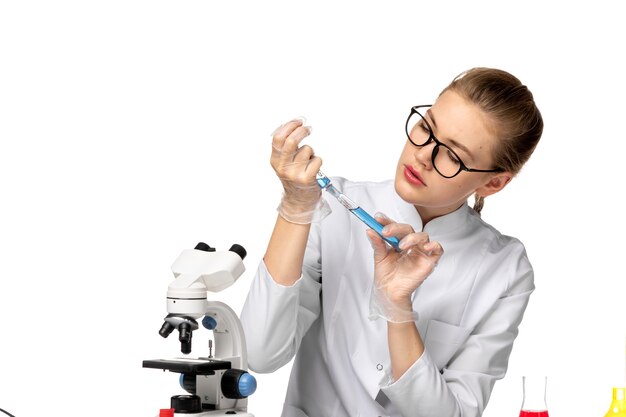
[379, 367]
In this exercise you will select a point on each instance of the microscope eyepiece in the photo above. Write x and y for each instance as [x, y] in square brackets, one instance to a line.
[239, 250]
[204, 247]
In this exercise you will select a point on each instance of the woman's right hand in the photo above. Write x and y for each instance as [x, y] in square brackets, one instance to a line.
[296, 167]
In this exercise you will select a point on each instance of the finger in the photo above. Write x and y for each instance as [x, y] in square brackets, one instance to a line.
[280, 135]
[393, 226]
[378, 244]
[296, 136]
[284, 130]
[431, 252]
[412, 240]
[435, 249]
[303, 154]
[383, 219]
[314, 165]
[399, 230]
[290, 145]
[304, 166]
[280, 130]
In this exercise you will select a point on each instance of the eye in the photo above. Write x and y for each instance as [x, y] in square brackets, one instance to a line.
[422, 125]
[453, 156]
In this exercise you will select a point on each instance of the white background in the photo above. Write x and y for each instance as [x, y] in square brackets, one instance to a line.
[130, 130]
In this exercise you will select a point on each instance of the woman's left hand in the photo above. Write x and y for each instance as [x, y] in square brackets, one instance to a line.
[398, 274]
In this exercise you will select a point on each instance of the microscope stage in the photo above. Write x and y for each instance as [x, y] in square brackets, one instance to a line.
[188, 366]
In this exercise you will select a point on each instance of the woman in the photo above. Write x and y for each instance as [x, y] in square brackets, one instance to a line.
[438, 345]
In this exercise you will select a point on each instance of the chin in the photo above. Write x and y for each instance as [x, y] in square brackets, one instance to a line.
[406, 192]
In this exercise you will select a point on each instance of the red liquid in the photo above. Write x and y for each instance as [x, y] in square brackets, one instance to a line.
[526, 413]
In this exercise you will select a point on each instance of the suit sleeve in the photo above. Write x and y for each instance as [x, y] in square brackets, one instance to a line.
[275, 318]
[463, 386]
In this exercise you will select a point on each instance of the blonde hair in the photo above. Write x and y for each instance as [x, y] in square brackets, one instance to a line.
[510, 106]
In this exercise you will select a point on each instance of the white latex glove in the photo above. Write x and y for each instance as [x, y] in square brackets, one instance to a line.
[398, 274]
[296, 167]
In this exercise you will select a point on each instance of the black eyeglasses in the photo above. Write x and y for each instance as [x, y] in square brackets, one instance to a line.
[445, 161]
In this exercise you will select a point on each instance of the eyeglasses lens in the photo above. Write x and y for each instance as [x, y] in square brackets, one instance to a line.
[445, 161]
[417, 130]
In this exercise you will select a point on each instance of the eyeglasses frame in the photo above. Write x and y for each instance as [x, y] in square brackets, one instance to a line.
[438, 143]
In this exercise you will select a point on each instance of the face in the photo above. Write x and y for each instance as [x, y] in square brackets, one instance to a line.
[465, 128]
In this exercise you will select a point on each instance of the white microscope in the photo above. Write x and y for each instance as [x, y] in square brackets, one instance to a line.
[218, 385]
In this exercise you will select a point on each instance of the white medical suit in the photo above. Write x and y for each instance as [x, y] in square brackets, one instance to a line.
[469, 311]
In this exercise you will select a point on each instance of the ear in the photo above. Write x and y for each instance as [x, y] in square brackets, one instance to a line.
[495, 184]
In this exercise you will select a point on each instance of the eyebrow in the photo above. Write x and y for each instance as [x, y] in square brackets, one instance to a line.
[452, 141]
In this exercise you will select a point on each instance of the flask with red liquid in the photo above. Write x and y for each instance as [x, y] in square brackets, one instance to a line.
[534, 403]
[166, 412]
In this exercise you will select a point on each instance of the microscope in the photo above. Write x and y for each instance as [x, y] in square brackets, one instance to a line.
[217, 385]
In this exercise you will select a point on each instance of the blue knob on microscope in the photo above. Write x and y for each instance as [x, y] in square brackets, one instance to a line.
[209, 322]
[247, 385]
[237, 383]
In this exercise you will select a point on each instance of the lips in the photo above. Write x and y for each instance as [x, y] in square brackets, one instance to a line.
[413, 177]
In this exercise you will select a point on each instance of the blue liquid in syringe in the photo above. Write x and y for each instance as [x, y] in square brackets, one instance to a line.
[378, 228]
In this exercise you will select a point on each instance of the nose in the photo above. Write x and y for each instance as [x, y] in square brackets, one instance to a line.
[424, 154]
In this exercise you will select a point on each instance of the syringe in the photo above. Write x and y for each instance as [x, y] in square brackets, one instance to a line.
[365, 217]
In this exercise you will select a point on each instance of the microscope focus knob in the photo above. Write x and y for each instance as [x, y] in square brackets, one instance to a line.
[186, 404]
[237, 384]
[209, 322]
